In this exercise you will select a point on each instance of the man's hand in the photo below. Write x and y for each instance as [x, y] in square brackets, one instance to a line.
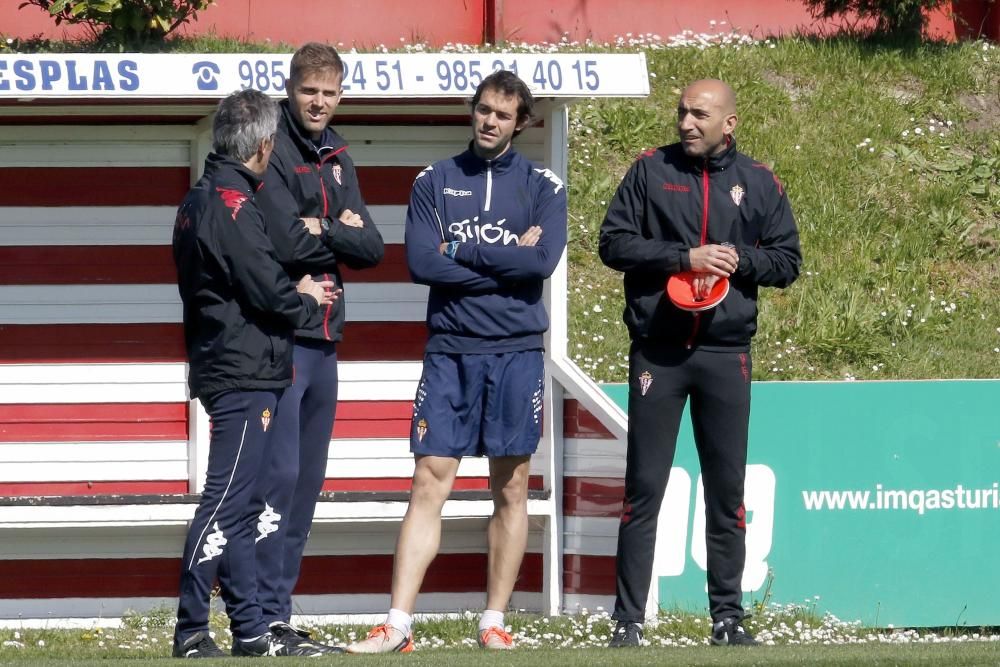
[321, 290]
[702, 285]
[351, 219]
[530, 237]
[714, 259]
[313, 226]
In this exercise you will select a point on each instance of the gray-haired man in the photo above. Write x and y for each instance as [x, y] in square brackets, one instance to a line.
[240, 310]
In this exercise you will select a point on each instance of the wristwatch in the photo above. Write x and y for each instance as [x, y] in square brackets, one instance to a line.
[325, 224]
[450, 249]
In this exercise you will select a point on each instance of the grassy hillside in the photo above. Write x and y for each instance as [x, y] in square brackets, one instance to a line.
[890, 157]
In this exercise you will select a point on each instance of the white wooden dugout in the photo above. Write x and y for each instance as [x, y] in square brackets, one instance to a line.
[101, 453]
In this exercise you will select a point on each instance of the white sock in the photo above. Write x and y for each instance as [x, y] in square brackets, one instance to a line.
[490, 619]
[400, 620]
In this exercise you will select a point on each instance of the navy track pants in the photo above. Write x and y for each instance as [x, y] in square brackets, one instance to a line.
[220, 541]
[660, 382]
[293, 477]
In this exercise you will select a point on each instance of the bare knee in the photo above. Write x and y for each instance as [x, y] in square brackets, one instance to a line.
[433, 478]
[509, 483]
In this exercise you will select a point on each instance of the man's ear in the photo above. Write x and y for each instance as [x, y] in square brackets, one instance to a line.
[729, 125]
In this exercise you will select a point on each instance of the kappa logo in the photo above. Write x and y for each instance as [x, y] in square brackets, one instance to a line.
[233, 199]
[213, 544]
[265, 419]
[267, 522]
[645, 381]
[737, 192]
[456, 193]
[421, 429]
[555, 180]
[338, 174]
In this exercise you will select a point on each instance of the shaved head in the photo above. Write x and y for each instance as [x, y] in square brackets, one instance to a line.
[706, 117]
[719, 91]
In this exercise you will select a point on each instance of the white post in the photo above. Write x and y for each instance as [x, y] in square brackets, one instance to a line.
[198, 439]
[556, 148]
[198, 424]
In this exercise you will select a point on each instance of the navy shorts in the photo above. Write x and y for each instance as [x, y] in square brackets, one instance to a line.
[479, 405]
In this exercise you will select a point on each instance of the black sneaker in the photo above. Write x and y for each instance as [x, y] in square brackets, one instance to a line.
[729, 632]
[289, 634]
[626, 634]
[270, 645]
[198, 645]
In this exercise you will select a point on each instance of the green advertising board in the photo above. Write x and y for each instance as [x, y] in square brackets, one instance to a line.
[873, 501]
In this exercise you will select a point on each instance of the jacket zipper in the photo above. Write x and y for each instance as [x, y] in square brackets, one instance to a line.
[326, 276]
[704, 237]
[326, 214]
[489, 185]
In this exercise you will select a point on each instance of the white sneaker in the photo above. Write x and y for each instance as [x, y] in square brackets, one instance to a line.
[383, 639]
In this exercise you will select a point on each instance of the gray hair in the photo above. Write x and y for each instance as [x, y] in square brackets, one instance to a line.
[242, 121]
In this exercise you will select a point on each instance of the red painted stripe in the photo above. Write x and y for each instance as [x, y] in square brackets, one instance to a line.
[157, 342]
[366, 120]
[448, 573]
[92, 488]
[593, 496]
[392, 268]
[578, 423]
[78, 265]
[93, 186]
[386, 484]
[90, 422]
[156, 186]
[320, 575]
[68, 117]
[387, 185]
[373, 419]
[588, 575]
[140, 264]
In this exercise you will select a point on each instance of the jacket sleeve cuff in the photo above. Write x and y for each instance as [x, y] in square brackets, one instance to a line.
[684, 259]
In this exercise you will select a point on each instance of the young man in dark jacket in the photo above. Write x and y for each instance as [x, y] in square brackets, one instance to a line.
[697, 205]
[240, 310]
[484, 230]
[318, 221]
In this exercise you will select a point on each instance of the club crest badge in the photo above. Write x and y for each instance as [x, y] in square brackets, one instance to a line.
[421, 429]
[265, 419]
[338, 174]
[737, 192]
[645, 381]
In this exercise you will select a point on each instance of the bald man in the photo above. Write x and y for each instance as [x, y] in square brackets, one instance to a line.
[696, 205]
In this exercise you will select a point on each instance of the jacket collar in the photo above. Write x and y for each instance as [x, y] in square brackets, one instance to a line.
[232, 172]
[717, 162]
[289, 125]
[500, 164]
[723, 159]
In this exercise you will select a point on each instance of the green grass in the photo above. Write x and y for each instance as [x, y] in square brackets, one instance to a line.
[900, 224]
[795, 634]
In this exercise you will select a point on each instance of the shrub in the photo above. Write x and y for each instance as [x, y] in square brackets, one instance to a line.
[898, 18]
[124, 25]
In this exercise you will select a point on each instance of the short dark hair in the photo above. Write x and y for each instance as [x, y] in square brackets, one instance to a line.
[314, 57]
[241, 122]
[508, 83]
